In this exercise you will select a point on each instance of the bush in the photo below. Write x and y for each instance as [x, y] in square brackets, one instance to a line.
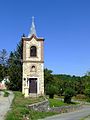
[68, 94]
[6, 94]
[51, 90]
[87, 93]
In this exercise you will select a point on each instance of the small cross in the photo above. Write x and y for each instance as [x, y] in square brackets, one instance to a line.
[33, 19]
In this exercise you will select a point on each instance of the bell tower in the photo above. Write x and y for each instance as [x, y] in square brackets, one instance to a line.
[33, 64]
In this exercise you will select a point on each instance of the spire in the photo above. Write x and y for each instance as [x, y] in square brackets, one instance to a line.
[32, 30]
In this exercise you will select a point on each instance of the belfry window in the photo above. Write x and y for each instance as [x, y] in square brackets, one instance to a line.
[33, 51]
[33, 68]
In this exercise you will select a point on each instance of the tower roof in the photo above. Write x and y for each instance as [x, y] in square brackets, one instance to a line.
[32, 30]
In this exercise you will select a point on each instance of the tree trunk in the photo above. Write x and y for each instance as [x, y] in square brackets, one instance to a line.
[51, 96]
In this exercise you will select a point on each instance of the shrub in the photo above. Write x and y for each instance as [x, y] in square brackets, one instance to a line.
[51, 90]
[87, 93]
[6, 94]
[68, 94]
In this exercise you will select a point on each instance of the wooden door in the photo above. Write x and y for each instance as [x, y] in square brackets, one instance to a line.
[32, 85]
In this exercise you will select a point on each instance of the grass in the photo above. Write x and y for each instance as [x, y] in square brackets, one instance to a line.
[19, 108]
[58, 103]
[80, 97]
[86, 118]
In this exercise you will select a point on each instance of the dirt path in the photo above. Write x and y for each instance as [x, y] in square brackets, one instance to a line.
[5, 103]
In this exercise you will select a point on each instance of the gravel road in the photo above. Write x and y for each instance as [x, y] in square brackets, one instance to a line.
[5, 103]
[77, 115]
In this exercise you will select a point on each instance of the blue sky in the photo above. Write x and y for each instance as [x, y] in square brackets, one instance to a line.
[65, 25]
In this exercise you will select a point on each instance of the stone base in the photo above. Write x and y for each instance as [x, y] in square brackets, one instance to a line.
[33, 95]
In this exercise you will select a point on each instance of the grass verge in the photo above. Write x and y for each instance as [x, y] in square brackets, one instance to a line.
[19, 109]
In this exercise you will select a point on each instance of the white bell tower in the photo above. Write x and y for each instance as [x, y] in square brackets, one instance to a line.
[33, 64]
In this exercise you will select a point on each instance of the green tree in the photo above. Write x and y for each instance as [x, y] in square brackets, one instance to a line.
[1, 73]
[3, 63]
[50, 83]
[48, 77]
[87, 86]
[51, 90]
[15, 68]
[3, 57]
[59, 84]
[87, 92]
[68, 94]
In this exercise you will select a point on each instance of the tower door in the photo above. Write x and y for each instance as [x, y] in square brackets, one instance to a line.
[32, 85]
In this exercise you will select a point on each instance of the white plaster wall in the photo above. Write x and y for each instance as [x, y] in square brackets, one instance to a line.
[38, 74]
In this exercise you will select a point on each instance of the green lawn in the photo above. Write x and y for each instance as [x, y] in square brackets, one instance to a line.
[19, 108]
[56, 103]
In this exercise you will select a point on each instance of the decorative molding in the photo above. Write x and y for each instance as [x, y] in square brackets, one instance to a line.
[28, 61]
[33, 36]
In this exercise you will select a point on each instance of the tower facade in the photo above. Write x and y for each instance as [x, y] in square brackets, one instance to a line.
[33, 64]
